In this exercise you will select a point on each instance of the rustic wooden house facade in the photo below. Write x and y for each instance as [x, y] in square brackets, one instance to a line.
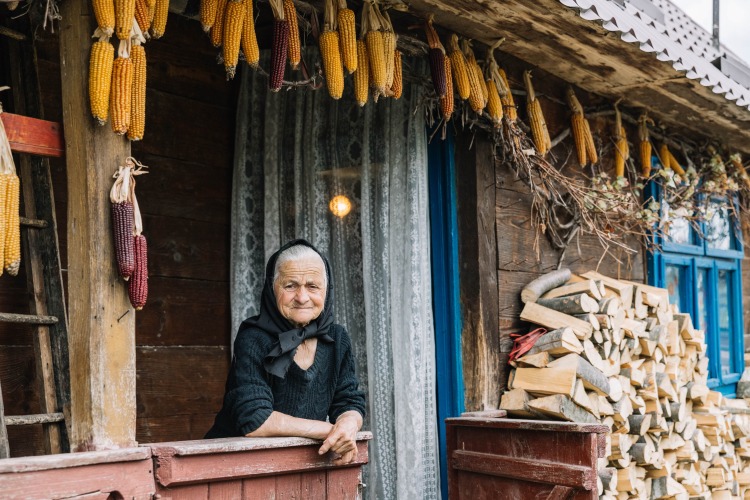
[158, 375]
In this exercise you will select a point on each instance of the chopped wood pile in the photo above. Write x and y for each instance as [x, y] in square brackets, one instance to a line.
[619, 354]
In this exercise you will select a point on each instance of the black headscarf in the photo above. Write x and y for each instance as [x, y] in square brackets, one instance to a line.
[270, 319]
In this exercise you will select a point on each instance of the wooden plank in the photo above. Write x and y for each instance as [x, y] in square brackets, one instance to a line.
[561, 493]
[524, 469]
[34, 136]
[102, 334]
[313, 484]
[343, 483]
[259, 488]
[28, 319]
[225, 490]
[39, 418]
[4, 446]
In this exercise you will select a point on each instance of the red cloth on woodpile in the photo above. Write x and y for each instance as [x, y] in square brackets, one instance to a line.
[522, 343]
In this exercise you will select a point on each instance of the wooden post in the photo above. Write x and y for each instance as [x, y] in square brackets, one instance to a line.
[484, 362]
[102, 322]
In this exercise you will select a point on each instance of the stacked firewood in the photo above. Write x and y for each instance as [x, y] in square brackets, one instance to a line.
[618, 353]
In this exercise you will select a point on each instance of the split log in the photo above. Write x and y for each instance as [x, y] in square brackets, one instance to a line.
[625, 291]
[557, 343]
[588, 286]
[562, 407]
[544, 283]
[572, 304]
[515, 402]
[591, 377]
[551, 319]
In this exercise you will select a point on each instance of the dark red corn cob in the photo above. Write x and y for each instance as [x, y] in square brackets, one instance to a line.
[138, 284]
[437, 69]
[122, 226]
[278, 54]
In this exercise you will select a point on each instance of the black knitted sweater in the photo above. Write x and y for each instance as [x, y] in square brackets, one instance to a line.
[327, 389]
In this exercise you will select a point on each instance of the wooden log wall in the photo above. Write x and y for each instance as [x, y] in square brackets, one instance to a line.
[183, 333]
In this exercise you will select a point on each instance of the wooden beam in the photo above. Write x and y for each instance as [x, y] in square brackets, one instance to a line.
[34, 136]
[102, 322]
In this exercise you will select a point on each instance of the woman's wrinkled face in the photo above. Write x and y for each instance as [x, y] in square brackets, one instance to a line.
[300, 290]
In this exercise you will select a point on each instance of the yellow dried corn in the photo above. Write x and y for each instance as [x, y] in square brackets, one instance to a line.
[104, 11]
[209, 9]
[100, 78]
[459, 68]
[376, 55]
[591, 153]
[398, 83]
[644, 144]
[217, 30]
[332, 68]
[536, 118]
[347, 36]
[579, 127]
[3, 220]
[161, 13]
[124, 14]
[120, 101]
[12, 254]
[669, 161]
[622, 149]
[362, 75]
[294, 49]
[506, 97]
[142, 15]
[476, 94]
[494, 106]
[138, 94]
[234, 20]
[446, 101]
[389, 46]
[249, 40]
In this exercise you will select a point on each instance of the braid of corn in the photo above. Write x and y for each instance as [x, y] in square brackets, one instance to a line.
[138, 283]
[348, 38]
[249, 40]
[122, 227]
[104, 11]
[209, 9]
[100, 78]
[161, 13]
[217, 30]
[536, 118]
[446, 101]
[138, 94]
[279, 53]
[124, 14]
[332, 68]
[234, 20]
[121, 102]
[12, 253]
[398, 84]
[294, 48]
[459, 68]
[362, 75]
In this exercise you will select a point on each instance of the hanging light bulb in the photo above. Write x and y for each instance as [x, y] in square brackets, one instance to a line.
[340, 206]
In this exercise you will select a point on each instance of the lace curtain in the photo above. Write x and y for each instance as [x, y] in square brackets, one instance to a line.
[294, 151]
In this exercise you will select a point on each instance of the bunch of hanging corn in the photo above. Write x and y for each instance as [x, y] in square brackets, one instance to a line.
[644, 144]
[294, 48]
[668, 160]
[437, 59]
[495, 86]
[123, 222]
[347, 36]
[234, 22]
[249, 40]
[579, 127]
[622, 149]
[101, 61]
[536, 118]
[477, 88]
[10, 228]
[375, 43]
[330, 51]
[216, 33]
[280, 46]
[104, 11]
[459, 68]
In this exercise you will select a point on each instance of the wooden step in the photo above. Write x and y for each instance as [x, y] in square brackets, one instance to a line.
[28, 319]
[33, 223]
[40, 418]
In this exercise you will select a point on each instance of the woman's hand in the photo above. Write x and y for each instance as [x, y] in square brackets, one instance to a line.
[342, 439]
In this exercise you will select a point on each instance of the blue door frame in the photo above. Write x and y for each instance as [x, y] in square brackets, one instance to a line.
[445, 290]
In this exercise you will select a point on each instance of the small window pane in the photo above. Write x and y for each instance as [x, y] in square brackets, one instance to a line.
[719, 227]
[725, 323]
[679, 231]
[702, 315]
[674, 278]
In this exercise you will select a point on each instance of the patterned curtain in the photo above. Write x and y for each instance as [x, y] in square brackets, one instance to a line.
[295, 151]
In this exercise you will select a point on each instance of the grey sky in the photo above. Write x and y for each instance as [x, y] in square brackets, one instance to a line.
[734, 22]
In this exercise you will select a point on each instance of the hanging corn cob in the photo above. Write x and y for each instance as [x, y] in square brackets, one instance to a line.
[347, 36]
[104, 11]
[209, 9]
[644, 144]
[100, 77]
[375, 48]
[536, 118]
[437, 56]
[142, 15]
[249, 40]
[506, 96]
[329, 51]
[138, 93]
[10, 228]
[476, 94]
[123, 221]
[234, 21]
[495, 84]
[622, 150]
[669, 161]
[398, 78]
[446, 101]
[579, 127]
[280, 46]
[138, 283]
[389, 47]
[362, 75]
[159, 23]
[124, 14]
[459, 68]
[217, 29]
[122, 86]
[294, 49]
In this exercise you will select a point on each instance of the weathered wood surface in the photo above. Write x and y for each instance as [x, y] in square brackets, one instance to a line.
[34, 136]
[39, 418]
[28, 319]
[102, 333]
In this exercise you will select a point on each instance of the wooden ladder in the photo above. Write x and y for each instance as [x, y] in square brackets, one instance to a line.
[36, 140]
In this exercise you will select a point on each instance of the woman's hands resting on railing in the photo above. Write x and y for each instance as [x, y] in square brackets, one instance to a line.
[342, 439]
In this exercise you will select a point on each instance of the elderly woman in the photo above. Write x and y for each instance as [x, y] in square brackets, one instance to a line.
[292, 372]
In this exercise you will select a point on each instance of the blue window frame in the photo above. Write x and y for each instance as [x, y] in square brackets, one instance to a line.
[700, 265]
